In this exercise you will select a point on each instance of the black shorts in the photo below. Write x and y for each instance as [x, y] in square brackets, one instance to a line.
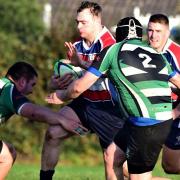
[173, 139]
[1, 145]
[142, 145]
[102, 118]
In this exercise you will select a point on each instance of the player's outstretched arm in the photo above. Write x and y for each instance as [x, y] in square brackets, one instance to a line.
[76, 88]
[44, 114]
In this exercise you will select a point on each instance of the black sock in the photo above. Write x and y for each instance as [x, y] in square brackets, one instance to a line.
[46, 175]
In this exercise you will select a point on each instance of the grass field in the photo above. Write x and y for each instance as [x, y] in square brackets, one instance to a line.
[31, 172]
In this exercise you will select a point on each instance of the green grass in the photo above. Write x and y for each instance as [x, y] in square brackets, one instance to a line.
[158, 171]
[31, 172]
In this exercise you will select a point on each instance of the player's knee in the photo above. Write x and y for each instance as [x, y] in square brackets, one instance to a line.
[55, 133]
[120, 157]
[114, 157]
[50, 135]
[108, 156]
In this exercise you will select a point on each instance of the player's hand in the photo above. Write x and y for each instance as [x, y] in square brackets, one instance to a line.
[70, 50]
[72, 54]
[61, 82]
[74, 127]
[52, 98]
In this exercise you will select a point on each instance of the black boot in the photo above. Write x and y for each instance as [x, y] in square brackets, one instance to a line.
[46, 175]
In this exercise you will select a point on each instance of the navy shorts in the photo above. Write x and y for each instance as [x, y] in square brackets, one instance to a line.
[101, 118]
[173, 140]
[142, 144]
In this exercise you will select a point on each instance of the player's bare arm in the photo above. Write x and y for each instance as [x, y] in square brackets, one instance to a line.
[76, 88]
[43, 114]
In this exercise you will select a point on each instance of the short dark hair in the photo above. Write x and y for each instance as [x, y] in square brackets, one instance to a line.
[128, 28]
[159, 18]
[95, 8]
[21, 69]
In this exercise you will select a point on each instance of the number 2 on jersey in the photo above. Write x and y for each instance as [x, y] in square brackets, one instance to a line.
[146, 61]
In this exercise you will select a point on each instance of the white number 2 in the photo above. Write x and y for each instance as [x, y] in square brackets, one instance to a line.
[146, 61]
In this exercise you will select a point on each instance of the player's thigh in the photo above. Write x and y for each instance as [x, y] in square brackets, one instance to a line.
[57, 131]
[171, 158]
[144, 146]
[69, 113]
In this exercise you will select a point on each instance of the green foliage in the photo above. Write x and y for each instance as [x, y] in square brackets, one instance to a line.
[22, 171]
[23, 37]
[22, 17]
[9, 44]
[82, 150]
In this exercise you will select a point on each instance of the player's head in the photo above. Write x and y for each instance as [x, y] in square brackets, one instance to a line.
[88, 18]
[158, 31]
[128, 28]
[95, 8]
[23, 75]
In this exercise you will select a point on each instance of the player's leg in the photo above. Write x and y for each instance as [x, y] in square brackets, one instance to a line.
[55, 135]
[121, 141]
[105, 122]
[7, 158]
[144, 146]
[146, 176]
[125, 170]
[126, 173]
[113, 162]
[171, 150]
[171, 160]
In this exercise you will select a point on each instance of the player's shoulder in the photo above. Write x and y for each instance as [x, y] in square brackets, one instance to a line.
[6, 85]
[106, 38]
[77, 42]
[173, 48]
[136, 45]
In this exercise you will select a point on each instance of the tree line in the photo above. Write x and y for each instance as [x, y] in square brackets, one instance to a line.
[23, 37]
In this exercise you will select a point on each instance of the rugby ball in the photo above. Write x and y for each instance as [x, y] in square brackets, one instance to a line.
[61, 68]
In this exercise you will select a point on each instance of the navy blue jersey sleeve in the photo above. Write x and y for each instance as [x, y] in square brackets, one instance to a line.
[18, 100]
[171, 61]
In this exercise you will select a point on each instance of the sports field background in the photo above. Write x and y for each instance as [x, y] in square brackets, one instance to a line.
[24, 37]
[29, 171]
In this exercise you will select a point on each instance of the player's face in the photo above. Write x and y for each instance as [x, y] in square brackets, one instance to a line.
[86, 24]
[157, 35]
[28, 86]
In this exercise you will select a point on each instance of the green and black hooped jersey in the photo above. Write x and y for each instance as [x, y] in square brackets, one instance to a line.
[11, 100]
[141, 76]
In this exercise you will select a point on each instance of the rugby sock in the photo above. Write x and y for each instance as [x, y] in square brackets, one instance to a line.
[46, 175]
